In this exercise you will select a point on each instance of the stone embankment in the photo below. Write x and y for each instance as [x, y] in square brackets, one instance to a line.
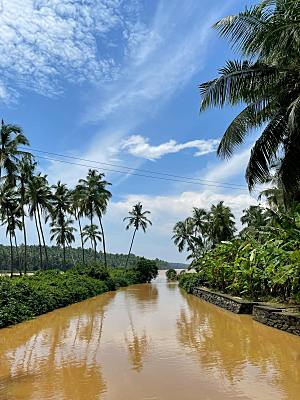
[285, 318]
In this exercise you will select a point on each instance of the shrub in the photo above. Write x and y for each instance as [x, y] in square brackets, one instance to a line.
[189, 281]
[145, 270]
[25, 297]
[171, 274]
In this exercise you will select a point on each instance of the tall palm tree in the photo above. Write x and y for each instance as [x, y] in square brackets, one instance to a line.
[26, 167]
[221, 223]
[266, 80]
[11, 138]
[78, 212]
[61, 206]
[10, 217]
[63, 232]
[92, 233]
[39, 195]
[95, 198]
[184, 235]
[138, 219]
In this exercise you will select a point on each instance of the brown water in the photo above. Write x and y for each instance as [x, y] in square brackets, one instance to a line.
[147, 342]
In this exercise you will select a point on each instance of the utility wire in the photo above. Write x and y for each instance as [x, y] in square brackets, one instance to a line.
[140, 175]
[196, 180]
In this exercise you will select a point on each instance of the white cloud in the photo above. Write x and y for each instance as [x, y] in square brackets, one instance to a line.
[139, 146]
[225, 169]
[162, 58]
[46, 41]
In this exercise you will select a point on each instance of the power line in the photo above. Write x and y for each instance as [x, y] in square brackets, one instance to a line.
[196, 180]
[140, 175]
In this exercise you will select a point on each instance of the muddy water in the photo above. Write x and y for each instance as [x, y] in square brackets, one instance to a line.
[147, 342]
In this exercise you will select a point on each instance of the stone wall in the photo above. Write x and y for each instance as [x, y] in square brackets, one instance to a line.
[231, 303]
[280, 318]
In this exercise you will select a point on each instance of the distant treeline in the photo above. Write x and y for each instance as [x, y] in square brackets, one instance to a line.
[73, 257]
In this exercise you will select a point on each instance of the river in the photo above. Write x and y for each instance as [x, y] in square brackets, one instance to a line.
[147, 342]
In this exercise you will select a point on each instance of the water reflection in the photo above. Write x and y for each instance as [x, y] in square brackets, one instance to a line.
[64, 345]
[147, 342]
[137, 345]
[235, 347]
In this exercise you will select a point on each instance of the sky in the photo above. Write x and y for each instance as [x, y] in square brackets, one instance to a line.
[116, 82]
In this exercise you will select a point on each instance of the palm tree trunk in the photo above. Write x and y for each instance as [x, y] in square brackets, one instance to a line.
[39, 237]
[81, 238]
[95, 250]
[43, 237]
[24, 228]
[103, 241]
[130, 247]
[64, 252]
[11, 256]
[17, 253]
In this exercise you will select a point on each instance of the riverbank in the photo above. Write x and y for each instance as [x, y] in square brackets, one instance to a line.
[26, 297]
[277, 315]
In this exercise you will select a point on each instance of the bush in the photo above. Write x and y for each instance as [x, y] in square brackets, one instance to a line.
[25, 297]
[189, 281]
[145, 270]
[171, 274]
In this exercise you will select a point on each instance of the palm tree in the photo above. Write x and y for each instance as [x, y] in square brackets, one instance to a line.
[78, 211]
[95, 199]
[26, 167]
[61, 206]
[39, 196]
[11, 138]
[267, 82]
[92, 233]
[9, 217]
[63, 232]
[138, 219]
[254, 216]
[184, 235]
[221, 223]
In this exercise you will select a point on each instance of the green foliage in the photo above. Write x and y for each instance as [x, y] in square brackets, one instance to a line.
[204, 229]
[189, 281]
[266, 81]
[25, 297]
[265, 268]
[73, 256]
[171, 274]
[145, 270]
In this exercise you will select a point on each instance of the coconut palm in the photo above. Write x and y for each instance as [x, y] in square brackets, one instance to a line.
[63, 232]
[254, 216]
[26, 167]
[184, 235]
[39, 197]
[267, 82]
[10, 217]
[95, 199]
[92, 233]
[138, 219]
[221, 223]
[11, 138]
[78, 211]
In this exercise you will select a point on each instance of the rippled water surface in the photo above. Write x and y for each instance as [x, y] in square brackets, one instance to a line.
[149, 342]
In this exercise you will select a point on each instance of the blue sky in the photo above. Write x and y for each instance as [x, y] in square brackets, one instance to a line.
[116, 81]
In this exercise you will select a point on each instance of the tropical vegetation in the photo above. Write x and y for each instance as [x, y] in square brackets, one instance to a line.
[263, 259]
[265, 79]
[25, 297]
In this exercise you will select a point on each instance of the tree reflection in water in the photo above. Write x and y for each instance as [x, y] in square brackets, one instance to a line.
[232, 344]
[137, 345]
[65, 344]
